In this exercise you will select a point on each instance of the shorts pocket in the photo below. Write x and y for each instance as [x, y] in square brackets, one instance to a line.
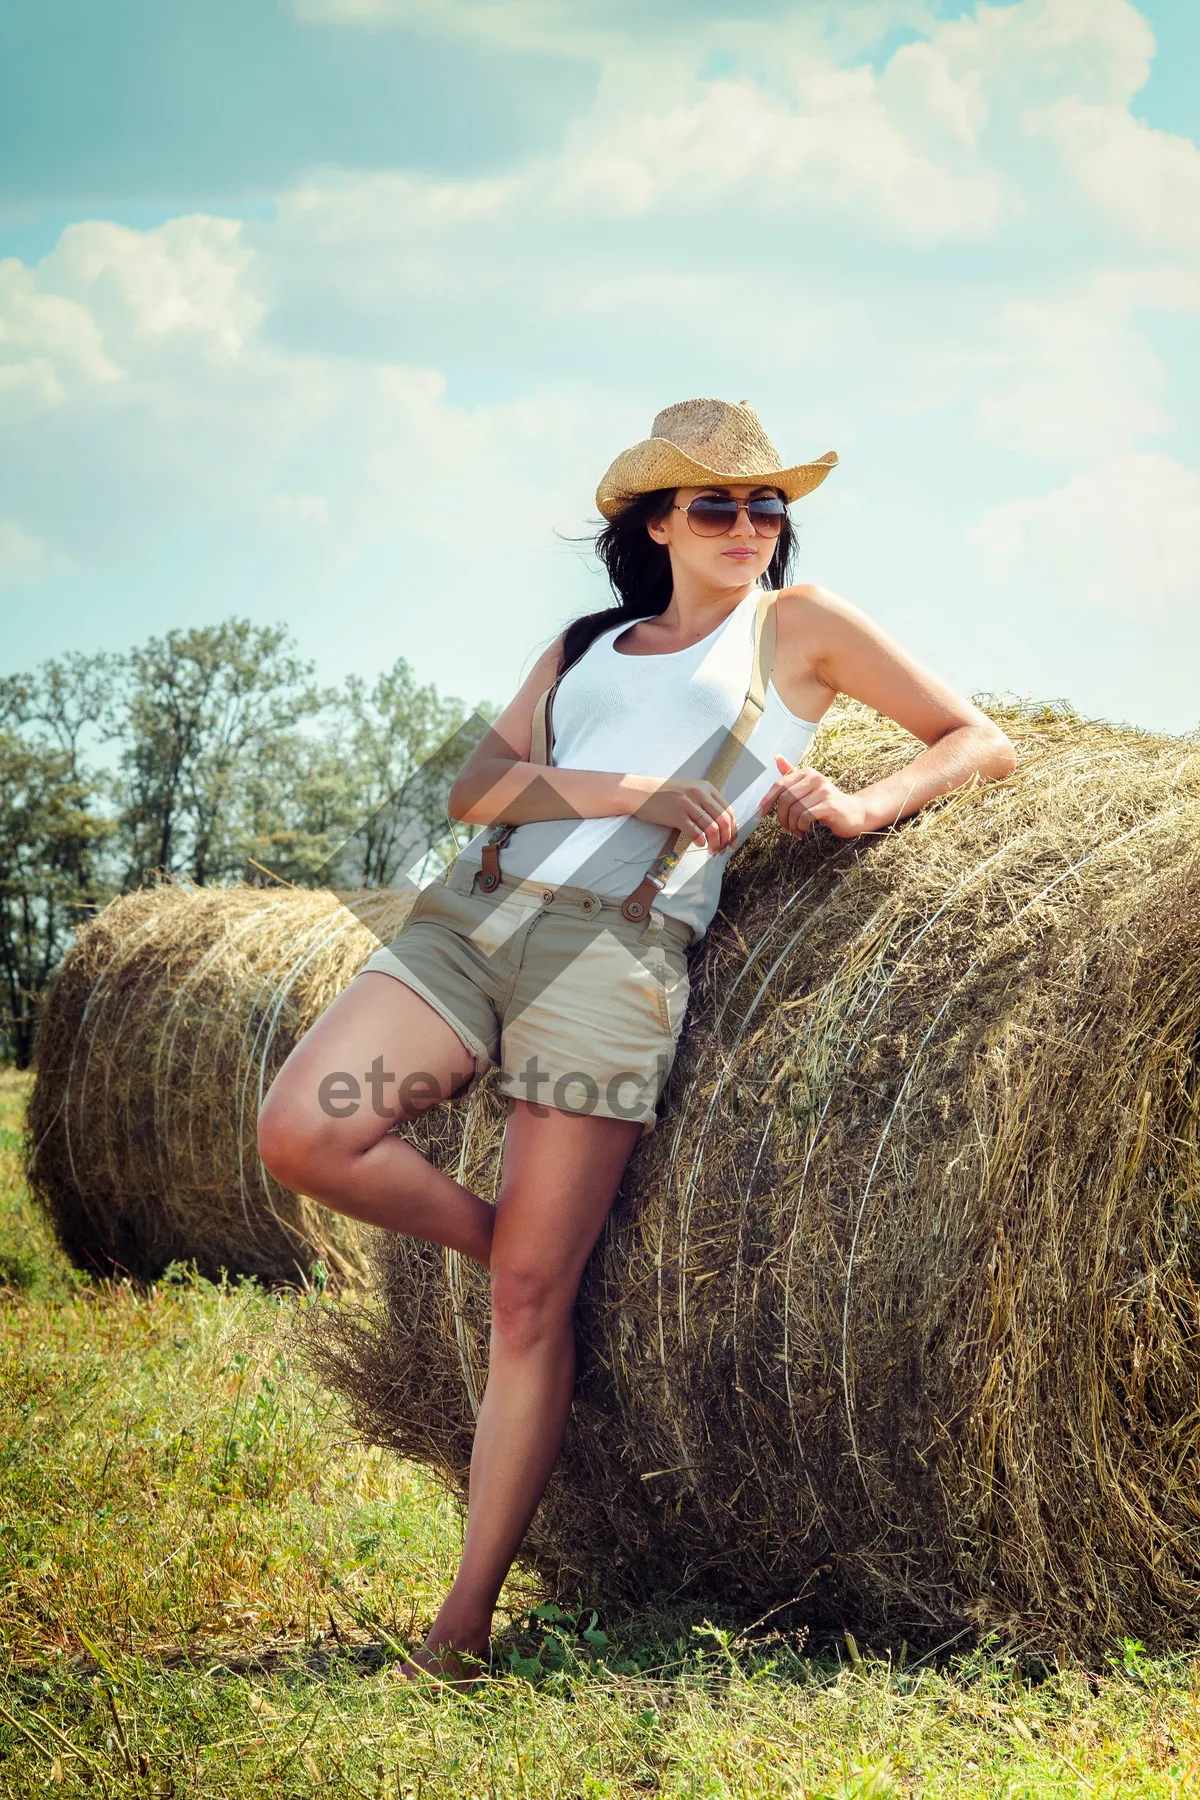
[445, 905]
[673, 988]
[422, 904]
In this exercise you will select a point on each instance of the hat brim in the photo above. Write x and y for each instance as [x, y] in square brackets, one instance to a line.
[658, 463]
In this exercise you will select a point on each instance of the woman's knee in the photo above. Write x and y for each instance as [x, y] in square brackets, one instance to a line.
[294, 1145]
[529, 1305]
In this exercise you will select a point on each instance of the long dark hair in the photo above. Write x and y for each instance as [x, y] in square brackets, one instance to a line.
[639, 571]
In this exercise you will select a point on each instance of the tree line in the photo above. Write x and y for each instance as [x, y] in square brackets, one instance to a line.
[206, 756]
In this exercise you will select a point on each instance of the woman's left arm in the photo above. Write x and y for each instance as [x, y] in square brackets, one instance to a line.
[844, 649]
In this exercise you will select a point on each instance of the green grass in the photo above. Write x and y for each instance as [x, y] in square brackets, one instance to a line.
[205, 1584]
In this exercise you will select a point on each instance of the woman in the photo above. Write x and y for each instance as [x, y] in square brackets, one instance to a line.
[556, 945]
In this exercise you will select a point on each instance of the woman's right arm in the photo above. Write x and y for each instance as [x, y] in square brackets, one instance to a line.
[498, 785]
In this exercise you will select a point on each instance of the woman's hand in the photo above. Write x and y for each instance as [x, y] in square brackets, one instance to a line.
[696, 806]
[802, 796]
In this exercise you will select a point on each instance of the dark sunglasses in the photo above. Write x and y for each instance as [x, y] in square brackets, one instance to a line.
[712, 515]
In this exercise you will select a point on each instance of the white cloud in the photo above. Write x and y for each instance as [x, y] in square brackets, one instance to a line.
[797, 127]
[204, 416]
[108, 299]
[187, 280]
[836, 148]
[946, 145]
[1034, 53]
[1123, 539]
[1031, 50]
[710, 154]
[159, 401]
[1146, 180]
[679, 202]
[50, 346]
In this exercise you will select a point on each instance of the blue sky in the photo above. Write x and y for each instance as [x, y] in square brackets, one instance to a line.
[334, 311]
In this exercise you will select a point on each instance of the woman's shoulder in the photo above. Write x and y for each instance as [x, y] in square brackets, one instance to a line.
[807, 599]
[813, 616]
[544, 670]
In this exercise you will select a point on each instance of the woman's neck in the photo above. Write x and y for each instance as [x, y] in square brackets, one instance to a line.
[696, 608]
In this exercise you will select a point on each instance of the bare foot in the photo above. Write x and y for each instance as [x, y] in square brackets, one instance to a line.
[443, 1667]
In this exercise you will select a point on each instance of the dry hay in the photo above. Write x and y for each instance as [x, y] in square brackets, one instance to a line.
[163, 1030]
[898, 1311]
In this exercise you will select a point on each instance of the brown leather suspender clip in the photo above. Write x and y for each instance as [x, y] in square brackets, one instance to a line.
[490, 856]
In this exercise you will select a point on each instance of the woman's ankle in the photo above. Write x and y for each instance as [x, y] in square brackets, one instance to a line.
[459, 1627]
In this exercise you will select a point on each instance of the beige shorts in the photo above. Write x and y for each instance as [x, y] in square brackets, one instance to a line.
[580, 1008]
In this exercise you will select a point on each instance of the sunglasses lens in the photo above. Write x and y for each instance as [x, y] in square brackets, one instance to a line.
[712, 515]
[709, 515]
[767, 515]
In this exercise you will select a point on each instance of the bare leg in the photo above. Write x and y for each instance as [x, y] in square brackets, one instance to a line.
[559, 1180]
[336, 1149]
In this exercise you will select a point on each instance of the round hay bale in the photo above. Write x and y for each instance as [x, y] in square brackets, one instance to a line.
[899, 1312]
[162, 1031]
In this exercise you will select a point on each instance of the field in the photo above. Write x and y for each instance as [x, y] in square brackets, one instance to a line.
[205, 1585]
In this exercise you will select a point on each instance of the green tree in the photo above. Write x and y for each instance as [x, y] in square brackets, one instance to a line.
[49, 839]
[227, 756]
[67, 696]
[402, 745]
[200, 708]
[300, 803]
[52, 830]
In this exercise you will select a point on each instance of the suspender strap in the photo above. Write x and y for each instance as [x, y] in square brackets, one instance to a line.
[543, 729]
[636, 905]
[541, 744]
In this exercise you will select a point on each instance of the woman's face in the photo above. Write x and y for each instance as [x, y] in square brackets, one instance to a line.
[735, 559]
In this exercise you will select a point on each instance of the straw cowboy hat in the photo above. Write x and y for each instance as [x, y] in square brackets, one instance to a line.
[698, 441]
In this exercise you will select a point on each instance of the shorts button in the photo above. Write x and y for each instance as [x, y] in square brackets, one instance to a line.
[588, 905]
[548, 895]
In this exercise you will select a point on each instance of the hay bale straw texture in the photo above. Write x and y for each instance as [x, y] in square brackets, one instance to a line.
[163, 1030]
[898, 1311]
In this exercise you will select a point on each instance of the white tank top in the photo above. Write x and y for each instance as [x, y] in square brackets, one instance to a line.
[663, 715]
